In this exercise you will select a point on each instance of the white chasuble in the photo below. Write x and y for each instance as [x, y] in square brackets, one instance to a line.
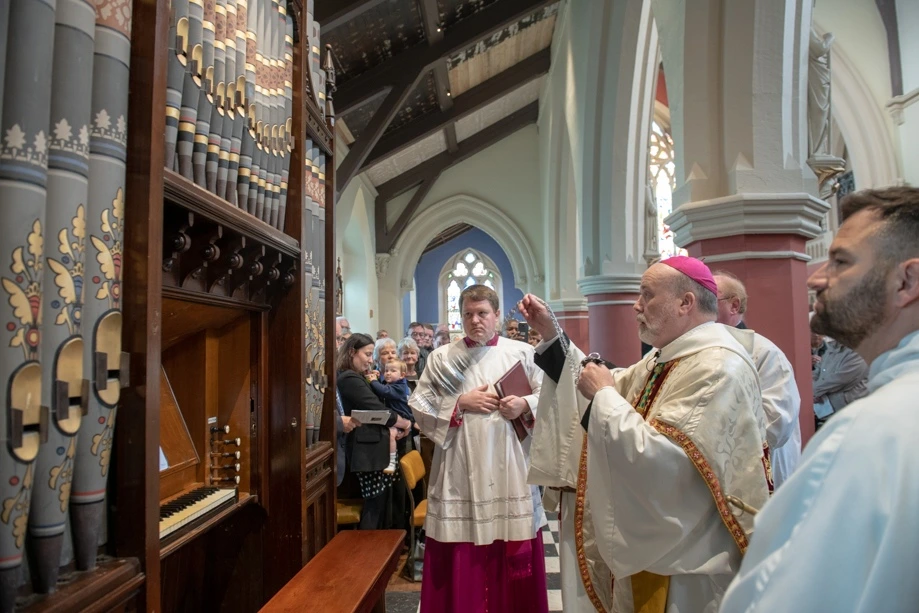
[678, 432]
[478, 489]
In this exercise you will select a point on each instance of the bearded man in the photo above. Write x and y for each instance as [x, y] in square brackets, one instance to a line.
[667, 441]
[483, 548]
[841, 534]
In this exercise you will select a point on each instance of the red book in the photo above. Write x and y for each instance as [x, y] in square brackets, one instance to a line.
[515, 383]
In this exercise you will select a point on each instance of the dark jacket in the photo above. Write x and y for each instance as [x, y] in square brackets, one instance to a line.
[395, 396]
[368, 445]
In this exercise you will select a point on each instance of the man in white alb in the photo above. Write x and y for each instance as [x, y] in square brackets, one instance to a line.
[781, 400]
[483, 548]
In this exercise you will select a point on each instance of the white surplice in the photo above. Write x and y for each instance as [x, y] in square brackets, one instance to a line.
[781, 402]
[478, 489]
[842, 533]
[651, 508]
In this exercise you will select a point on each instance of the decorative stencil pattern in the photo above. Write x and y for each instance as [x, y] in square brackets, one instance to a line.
[374, 36]
[114, 14]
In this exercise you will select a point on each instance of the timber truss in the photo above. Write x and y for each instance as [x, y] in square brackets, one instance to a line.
[389, 84]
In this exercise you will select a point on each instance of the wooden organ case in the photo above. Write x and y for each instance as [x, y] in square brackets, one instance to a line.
[207, 361]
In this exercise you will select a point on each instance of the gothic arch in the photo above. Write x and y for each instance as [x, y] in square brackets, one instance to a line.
[463, 208]
[863, 124]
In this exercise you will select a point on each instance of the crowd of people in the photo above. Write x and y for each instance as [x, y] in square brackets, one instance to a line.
[679, 481]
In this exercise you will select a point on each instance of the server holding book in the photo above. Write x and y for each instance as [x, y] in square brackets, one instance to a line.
[483, 543]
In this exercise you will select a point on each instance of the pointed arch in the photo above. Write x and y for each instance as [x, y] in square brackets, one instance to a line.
[463, 208]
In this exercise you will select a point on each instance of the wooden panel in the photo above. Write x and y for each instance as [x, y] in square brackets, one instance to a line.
[219, 570]
[182, 318]
[134, 527]
[185, 364]
[175, 443]
[197, 199]
[117, 581]
[233, 391]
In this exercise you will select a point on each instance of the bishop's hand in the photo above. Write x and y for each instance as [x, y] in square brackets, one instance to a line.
[479, 400]
[593, 379]
[537, 315]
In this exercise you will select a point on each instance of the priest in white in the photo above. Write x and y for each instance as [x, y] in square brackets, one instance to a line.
[842, 533]
[781, 400]
[668, 440]
[483, 548]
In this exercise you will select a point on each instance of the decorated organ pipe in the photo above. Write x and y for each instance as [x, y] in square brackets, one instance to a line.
[104, 363]
[256, 108]
[247, 143]
[323, 264]
[206, 95]
[286, 142]
[190, 32]
[237, 103]
[227, 103]
[212, 157]
[63, 372]
[230, 100]
[175, 78]
[23, 190]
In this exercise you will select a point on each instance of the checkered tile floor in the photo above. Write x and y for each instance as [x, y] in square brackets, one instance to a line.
[408, 601]
[553, 572]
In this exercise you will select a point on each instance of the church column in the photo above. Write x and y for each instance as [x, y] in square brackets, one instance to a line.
[744, 195]
[614, 92]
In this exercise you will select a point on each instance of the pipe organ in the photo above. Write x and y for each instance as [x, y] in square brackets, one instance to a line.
[166, 184]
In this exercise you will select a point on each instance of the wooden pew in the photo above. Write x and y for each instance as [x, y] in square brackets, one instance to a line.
[348, 575]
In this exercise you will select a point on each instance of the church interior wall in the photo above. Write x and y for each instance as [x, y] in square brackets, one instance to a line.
[357, 258]
[859, 35]
[427, 273]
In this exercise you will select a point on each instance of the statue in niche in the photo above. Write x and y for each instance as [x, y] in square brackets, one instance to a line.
[818, 94]
[339, 292]
[652, 248]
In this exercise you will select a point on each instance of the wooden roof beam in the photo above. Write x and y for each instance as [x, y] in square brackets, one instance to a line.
[368, 138]
[465, 104]
[494, 18]
[426, 174]
[332, 13]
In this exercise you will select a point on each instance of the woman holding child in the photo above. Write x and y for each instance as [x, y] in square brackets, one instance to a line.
[368, 446]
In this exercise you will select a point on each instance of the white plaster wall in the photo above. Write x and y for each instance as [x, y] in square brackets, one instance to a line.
[355, 246]
[505, 174]
[860, 35]
[908, 23]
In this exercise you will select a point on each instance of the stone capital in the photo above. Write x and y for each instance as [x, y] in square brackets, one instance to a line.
[568, 305]
[790, 213]
[626, 283]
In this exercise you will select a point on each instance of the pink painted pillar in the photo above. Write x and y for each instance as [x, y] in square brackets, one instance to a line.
[774, 270]
[613, 329]
[576, 326]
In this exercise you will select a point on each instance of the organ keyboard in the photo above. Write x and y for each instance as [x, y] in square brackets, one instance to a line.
[188, 507]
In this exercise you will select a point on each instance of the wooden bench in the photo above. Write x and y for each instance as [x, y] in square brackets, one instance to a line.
[348, 575]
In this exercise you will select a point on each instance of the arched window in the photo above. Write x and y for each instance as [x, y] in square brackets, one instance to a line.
[661, 170]
[468, 267]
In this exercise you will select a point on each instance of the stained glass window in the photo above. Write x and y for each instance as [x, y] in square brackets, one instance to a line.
[662, 172]
[468, 267]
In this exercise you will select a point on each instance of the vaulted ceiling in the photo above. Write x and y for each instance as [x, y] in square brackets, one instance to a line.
[425, 84]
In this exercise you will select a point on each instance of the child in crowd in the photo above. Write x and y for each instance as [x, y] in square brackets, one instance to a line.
[394, 394]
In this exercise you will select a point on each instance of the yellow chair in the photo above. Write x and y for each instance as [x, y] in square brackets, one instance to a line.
[413, 472]
[348, 512]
